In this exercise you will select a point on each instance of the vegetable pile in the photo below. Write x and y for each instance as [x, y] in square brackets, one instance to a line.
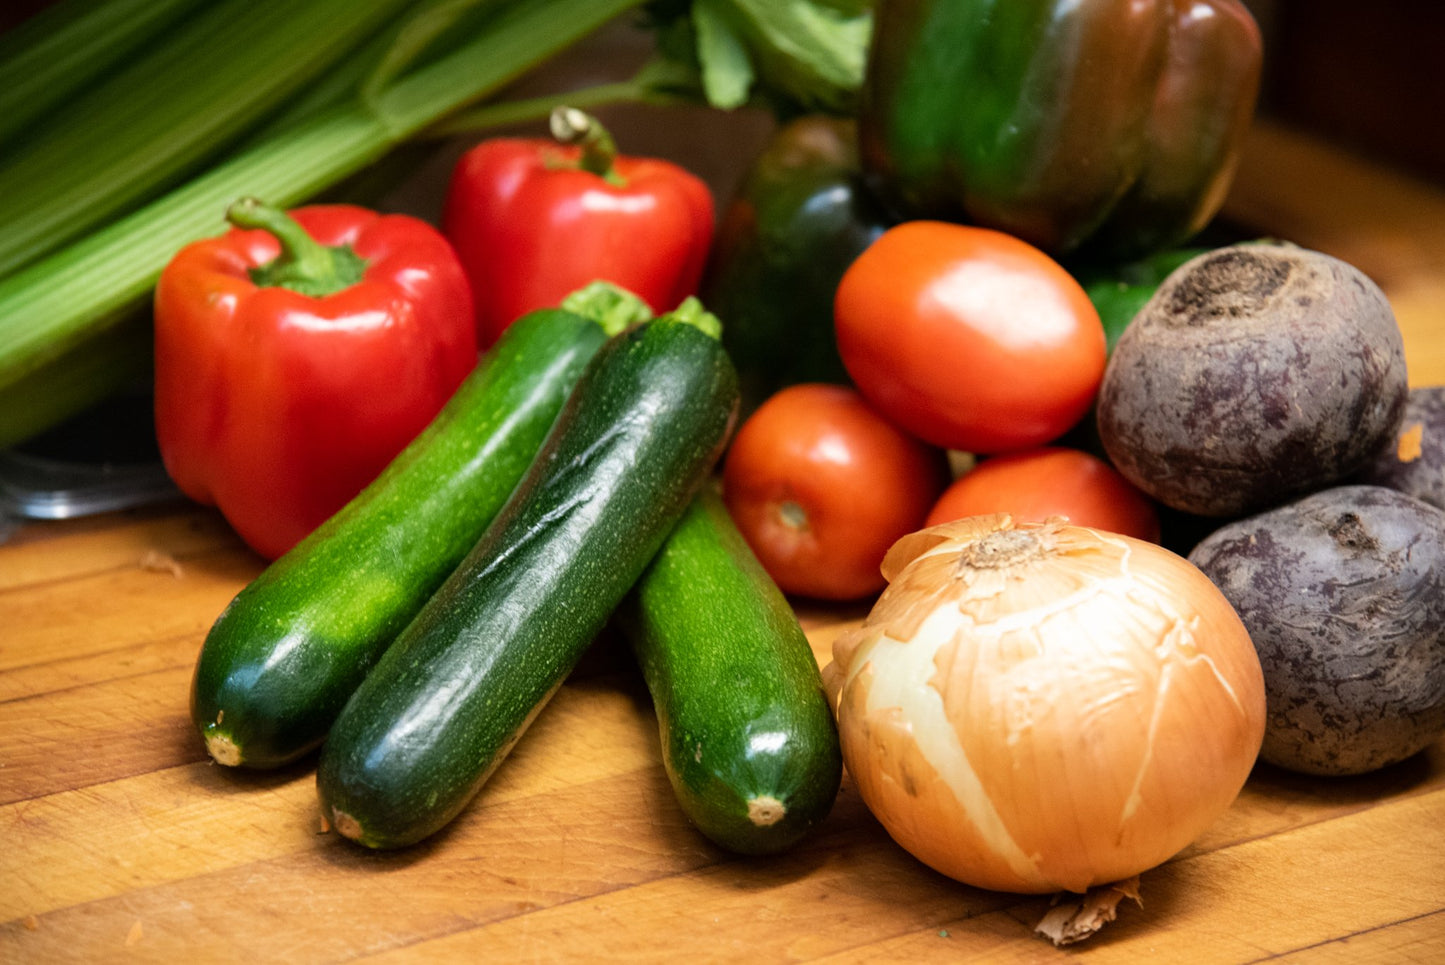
[950, 362]
[448, 699]
[309, 93]
[290, 649]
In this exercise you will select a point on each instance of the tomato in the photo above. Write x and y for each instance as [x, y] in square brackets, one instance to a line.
[969, 338]
[1035, 484]
[821, 486]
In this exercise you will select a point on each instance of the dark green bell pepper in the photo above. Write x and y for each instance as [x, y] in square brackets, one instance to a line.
[799, 219]
[1106, 127]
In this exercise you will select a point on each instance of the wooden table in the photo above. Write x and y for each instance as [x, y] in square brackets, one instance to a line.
[120, 841]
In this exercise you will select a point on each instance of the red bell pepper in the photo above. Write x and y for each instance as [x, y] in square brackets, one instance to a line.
[533, 220]
[296, 356]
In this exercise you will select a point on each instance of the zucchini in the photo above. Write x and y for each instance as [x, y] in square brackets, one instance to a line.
[748, 737]
[286, 653]
[450, 698]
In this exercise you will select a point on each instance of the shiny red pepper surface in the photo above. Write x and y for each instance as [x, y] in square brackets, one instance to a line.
[279, 406]
[534, 219]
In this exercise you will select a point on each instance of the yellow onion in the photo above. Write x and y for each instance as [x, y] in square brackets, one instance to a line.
[1044, 707]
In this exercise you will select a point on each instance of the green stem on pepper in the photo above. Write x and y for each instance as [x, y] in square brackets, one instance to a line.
[304, 264]
[569, 125]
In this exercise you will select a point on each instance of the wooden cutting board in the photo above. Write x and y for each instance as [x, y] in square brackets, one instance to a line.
[120, 841]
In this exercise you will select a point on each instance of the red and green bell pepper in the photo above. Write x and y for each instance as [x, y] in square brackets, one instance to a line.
[534, 219]
[297, 354]
[1110, 128]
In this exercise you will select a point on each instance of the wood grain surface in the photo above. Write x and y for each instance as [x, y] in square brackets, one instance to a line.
[119, 840]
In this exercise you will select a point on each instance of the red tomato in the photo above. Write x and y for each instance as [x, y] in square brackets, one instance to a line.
[969, 338]
[1050, 481]
[821, 486]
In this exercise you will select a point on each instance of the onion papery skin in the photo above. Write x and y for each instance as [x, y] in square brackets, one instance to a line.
[1042, 707]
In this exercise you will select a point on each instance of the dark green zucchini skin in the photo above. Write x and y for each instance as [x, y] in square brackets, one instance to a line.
[281, 660]
[448, 700]
[748, 738]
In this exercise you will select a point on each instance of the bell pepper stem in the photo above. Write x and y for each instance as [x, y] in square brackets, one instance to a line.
[572, 126]
[304, 264]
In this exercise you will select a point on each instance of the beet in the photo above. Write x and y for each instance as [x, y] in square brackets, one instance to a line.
[1256, 373]
[1415, 462]
[1343, 593]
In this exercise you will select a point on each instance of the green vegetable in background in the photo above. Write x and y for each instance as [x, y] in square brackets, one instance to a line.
[1106, 126]
[799, 219]
[160, 116]
[58, 50]
[795, 55]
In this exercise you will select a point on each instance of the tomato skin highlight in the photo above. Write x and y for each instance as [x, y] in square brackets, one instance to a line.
[1035, 484]
[821, 486]
[969, 338]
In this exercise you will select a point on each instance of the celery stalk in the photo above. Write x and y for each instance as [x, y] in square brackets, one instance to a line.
[66, 46]
[48, 309]
[117, 359]
[167, 113]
